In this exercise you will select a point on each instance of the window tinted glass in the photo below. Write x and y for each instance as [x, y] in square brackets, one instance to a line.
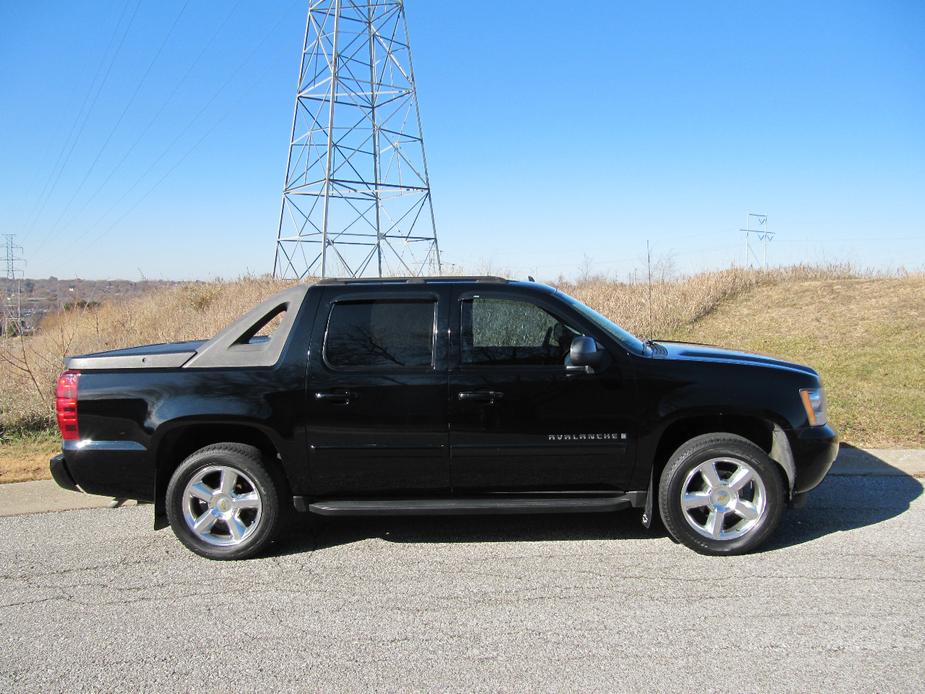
[507, 332]
[380, 334]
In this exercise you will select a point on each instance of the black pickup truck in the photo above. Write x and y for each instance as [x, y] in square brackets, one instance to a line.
[464, 395]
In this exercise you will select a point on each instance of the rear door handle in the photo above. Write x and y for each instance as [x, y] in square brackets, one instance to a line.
[342, 398]
[489, 396]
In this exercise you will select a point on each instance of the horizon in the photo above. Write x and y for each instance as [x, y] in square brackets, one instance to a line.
[661, 274]
[159, 150]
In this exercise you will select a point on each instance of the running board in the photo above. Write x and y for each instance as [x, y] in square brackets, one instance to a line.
[455, 507]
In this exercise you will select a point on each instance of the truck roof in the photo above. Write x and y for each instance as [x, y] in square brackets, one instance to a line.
[433, 279]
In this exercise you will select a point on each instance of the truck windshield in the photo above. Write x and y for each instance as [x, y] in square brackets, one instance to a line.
[628, 340]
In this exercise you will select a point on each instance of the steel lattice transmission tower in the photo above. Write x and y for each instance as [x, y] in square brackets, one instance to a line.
[356, 199]
[11, 322]
[757, 225]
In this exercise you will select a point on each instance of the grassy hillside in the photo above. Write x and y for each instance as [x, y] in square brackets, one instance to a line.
[866, 335]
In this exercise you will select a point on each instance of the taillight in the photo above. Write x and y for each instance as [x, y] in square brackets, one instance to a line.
[66, 405]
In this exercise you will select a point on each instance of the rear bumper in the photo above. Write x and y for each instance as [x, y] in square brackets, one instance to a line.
[60, 474]
[109, 468]
[814, 450]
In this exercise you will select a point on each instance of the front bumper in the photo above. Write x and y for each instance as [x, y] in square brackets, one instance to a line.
[60, 473]
[814, 450]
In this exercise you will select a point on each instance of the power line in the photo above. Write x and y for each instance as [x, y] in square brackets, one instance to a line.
[154, 119]
[82, 118]
[831, 239]
[190, 124]
[80, 111]
[114, 128]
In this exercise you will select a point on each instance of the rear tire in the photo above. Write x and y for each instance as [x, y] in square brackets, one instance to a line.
[720, 494]
[223, 503]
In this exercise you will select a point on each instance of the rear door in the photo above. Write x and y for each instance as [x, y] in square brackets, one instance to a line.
[376, 397]
[520, 420]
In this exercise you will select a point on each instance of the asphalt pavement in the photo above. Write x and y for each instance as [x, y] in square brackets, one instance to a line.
[96, 600]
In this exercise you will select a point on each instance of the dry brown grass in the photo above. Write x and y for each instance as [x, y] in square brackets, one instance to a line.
[865, 334]
[661, 309]
[29, 366]
[25, 458]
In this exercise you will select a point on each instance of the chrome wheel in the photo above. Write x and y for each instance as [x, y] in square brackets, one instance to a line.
[221, 505]
[723, 498]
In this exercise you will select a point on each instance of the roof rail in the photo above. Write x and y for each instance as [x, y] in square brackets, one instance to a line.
[490, 279]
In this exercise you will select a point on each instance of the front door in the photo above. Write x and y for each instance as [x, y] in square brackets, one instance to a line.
[376, 399]
[520, 419]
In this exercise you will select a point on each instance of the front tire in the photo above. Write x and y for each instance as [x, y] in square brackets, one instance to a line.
[720, 494]
[222, 502]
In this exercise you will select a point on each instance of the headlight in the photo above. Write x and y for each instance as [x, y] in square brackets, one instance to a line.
[814, 403]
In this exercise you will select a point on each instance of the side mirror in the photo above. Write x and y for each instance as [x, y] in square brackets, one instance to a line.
[584, 352]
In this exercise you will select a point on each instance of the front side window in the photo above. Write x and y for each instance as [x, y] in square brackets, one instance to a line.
[380, 334]
[508, 332]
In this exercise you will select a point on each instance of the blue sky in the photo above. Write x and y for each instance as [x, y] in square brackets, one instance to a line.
[558, 135]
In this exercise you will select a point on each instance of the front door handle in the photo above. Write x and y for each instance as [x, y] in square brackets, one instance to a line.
[341, 398]
[489, 396]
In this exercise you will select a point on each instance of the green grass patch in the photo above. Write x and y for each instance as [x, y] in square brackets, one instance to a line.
[866, 337]
[24, 455]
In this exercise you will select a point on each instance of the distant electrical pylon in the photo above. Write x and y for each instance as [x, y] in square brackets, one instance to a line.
[356, 197]
[756, 225]
[12, 296]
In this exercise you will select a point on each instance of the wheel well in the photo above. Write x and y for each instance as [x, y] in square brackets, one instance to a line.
[759, 431]
[756, 430]
[177, 445]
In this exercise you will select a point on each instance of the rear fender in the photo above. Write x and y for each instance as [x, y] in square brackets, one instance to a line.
[176, 441]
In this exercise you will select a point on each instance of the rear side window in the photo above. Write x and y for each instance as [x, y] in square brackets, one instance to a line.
[380, 334]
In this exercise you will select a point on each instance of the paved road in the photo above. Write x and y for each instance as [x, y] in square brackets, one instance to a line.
[96, 600]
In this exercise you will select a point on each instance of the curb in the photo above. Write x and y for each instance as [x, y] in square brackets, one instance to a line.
[44, 496]
[879, 462]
